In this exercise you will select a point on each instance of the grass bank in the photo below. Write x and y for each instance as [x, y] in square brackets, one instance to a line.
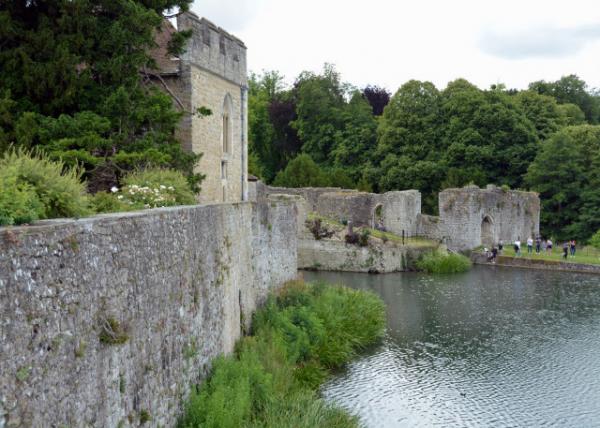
[439, 262]
[585, 255]
[337, 226]
[299, 336]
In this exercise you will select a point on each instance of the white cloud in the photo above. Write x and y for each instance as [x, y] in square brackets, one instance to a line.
[540, 42]
[388, 42]
[232, 15]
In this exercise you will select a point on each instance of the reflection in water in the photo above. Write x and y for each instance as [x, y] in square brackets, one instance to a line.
[492, 347]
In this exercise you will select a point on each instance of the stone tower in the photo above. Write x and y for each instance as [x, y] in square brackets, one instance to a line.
[211, 74]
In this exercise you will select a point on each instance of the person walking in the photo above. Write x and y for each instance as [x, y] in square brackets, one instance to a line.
[565, 250]
[529, 245]
[538, 243]
[573, 245]
[549, 246]
[517, 247]
[500, 246]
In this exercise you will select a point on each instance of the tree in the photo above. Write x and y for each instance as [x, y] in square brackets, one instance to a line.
[543, 112]
[74, 80]
[487, 134]
[557, 174]
[302, 171]
[320, 102]
[356, 141]
[261, 132]
[377, 97]
[571, 89]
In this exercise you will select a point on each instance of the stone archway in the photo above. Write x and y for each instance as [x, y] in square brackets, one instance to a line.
[487, 232]
[377, 221]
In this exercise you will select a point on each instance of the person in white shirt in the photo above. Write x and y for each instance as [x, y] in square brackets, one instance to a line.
[518, 247]
[529, 245]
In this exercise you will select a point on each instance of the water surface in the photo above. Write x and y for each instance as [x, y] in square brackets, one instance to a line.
[494, 347]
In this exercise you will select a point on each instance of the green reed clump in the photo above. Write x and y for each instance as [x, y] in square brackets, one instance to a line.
[443, 262]
[271, 381]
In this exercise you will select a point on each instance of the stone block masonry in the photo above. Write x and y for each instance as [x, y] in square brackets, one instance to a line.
[108, 321]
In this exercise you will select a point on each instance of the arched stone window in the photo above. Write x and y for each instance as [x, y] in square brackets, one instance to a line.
[226, 130]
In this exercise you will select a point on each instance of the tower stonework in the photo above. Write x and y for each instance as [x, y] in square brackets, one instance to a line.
[210, 76]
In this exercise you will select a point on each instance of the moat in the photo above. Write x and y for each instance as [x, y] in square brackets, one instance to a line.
[492, 347]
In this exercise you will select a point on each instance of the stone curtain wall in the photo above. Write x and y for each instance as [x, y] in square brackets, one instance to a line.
[514, 214]
[108, 321]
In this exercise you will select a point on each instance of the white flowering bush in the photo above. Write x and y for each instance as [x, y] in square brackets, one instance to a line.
[150, 188]
[147, 197]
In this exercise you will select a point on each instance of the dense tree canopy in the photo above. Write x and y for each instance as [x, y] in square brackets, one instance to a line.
[74, 81]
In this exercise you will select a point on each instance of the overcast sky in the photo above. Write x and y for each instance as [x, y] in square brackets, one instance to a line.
[386, 42]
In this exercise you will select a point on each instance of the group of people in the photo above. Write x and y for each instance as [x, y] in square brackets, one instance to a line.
[541, 245]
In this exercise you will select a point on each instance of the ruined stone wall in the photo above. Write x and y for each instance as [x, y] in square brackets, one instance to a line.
[310, 194]
[213, 72]
[510, 215]
[399, 209]
[176, 285]
[432, 227]
[356, 207]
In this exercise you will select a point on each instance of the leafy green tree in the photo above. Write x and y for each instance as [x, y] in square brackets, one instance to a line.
[543, 111]
[558, 176]
[486, 134]
[74, 82]
[356, 141]
[261, 133]
[302, 171]
[571, 89]
[320, 102]
[570, 114]
[410, 123]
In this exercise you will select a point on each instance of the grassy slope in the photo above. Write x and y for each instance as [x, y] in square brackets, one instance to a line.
[414, 241]
[586, 255]
[299, 336]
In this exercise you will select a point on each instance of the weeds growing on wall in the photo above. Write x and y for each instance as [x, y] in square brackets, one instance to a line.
[300, 334]
[442, 262]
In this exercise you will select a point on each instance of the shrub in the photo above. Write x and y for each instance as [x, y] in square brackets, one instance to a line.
[173, 183]
[443, 262]
[35, 187]
[271, 380]
[363, 238]
[149, 188]
[595, 240]
[104, 202]
[19, 203]
[318, 230]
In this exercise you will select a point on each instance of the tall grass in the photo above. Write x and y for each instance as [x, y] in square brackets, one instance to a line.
[439, 262]
[271, 381]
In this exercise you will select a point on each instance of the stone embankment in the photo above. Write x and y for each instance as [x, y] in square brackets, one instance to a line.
[108, 321]
[335, 255]
[523, 262]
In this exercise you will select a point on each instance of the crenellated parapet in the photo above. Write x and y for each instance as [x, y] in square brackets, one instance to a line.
[213, 49]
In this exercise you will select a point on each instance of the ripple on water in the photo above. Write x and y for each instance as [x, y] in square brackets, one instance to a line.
[485, 349]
